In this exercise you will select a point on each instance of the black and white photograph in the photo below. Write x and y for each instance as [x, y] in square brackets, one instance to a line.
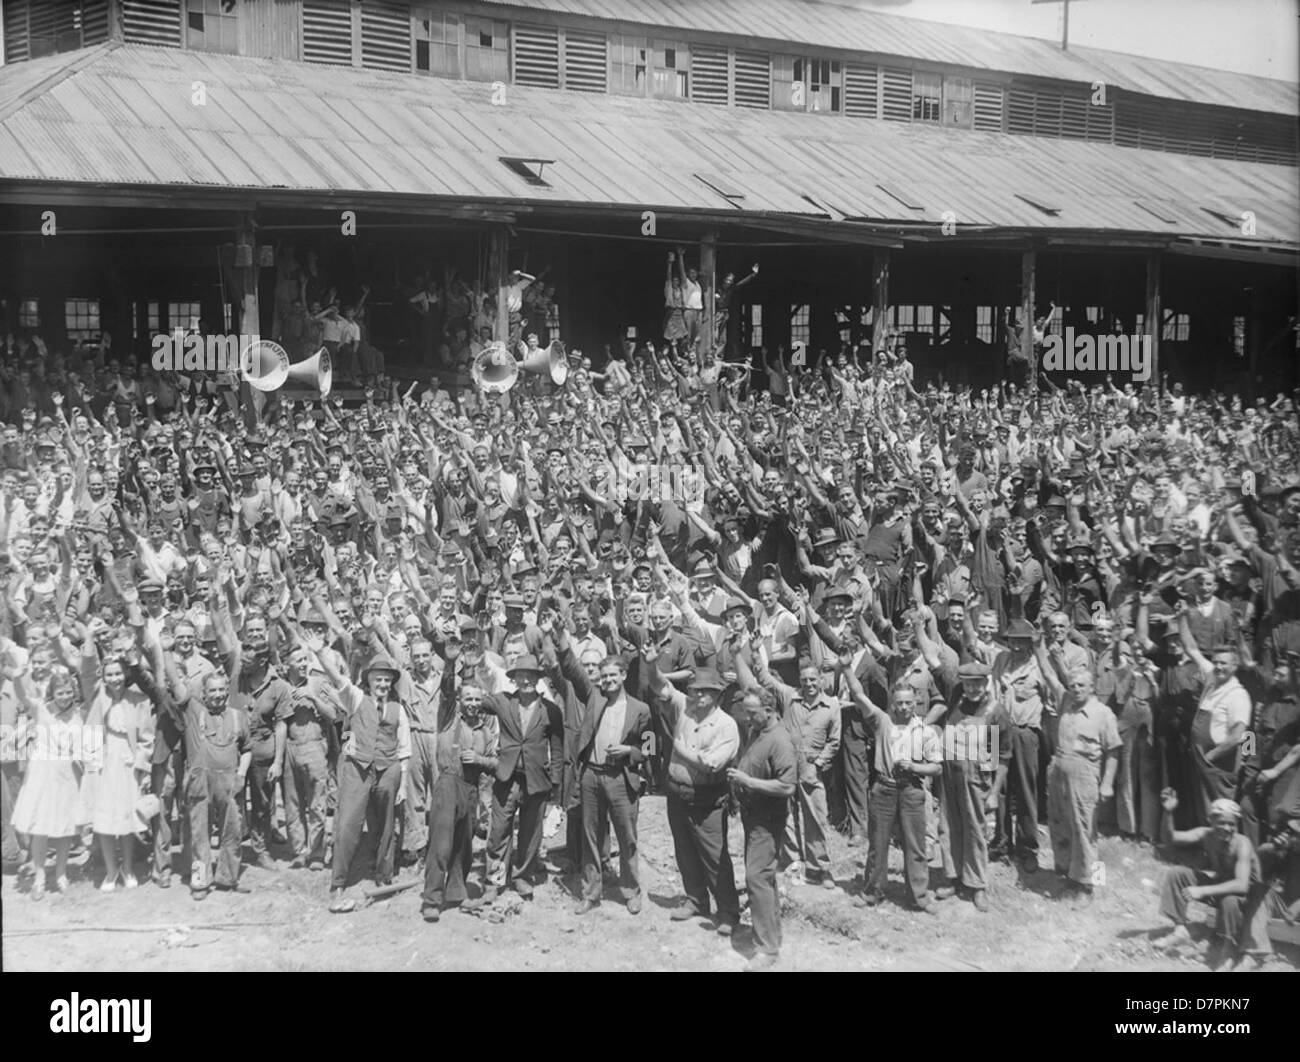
[651, 486]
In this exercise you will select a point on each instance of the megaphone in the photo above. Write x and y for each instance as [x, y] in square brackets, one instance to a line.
[551, 360]
[265, 365]
[494, 370]
[314, 374]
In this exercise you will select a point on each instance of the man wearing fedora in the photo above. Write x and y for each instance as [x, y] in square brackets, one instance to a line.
[530, 760]
[371, 770]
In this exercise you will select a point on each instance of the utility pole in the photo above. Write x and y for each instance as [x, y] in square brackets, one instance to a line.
[1065, 20]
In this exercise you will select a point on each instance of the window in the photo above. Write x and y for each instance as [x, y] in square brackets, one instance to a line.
[29, 313]
[81, 318]
[958, 102]
[437, 45]
[183, 315]
[984, 324]
[918, 319]
[487, 50]
[789, 90]
[1177, 327]
[800, 324]
[825, 86]
[844, 324]
[756, 325]
[671, 71]
[212, 26]
[628, 65]
[926, 92]
[1239, 336]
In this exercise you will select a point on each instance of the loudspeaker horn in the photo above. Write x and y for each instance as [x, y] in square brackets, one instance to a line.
[316, 373]
[551, 360]
[494, 370]
[265, 365]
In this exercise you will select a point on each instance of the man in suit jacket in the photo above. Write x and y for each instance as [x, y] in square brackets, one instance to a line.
[529, 762]
[613, 743]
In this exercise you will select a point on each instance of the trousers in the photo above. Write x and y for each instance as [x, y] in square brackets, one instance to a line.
[810, 815]
[762, 842]
[1072, 816]
[605, 799]
[903, 805]
[511, 802]
[1020, 799]
[305, 772]
[700, 844]
[857, 774]
[1137, 785]
[162, 783]
[452, 805]
[1242, 921]
[965, 789]
[211, 797]
[420, 773]
[261, 806]
[367, 797]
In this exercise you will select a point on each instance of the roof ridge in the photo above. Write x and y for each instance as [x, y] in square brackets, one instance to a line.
[78, 61]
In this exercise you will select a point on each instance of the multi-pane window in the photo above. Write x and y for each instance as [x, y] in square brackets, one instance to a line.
[984, 324]
[927, 90]
[1177, 328]
[212, 26]
[29, 314]
[919, 319]
[184, 315]
[1239, 336]
[628, 65]
[800, 324]
[437, 44]
[756, 325]
[487, 50]
[672, 64]
[825, 86]
[81, 318]
[788, 86]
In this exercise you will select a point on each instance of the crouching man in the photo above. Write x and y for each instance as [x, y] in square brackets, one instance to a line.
[1232, 883]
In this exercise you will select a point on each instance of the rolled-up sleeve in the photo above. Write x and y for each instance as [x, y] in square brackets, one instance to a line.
[722, 750]
[403, 735]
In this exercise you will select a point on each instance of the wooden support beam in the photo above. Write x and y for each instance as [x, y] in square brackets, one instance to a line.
[250, 316]
[879, 297]
[499, 271]
[1254, 324]
[708, 286]
[1152, 320]
[1028, 275]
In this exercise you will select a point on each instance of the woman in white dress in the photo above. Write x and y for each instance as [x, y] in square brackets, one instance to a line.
[124, 718]
[50, 806]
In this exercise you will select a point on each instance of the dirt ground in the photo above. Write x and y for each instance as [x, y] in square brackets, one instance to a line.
[283, 924]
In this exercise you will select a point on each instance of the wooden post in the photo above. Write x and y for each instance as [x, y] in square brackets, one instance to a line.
[879, 298]
[1152, 321]
[1252, 340]
[1028, 273]
[499, 269]
[708, 287]
[250, 317]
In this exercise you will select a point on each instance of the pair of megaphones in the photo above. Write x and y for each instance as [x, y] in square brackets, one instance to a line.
[268, 369]
[496, 370]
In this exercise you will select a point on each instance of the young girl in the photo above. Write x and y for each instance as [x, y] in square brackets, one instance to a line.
[50, 805]
[125, 719]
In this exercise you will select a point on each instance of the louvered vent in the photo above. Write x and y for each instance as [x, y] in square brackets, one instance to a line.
[385, 37]
[1020, 112]
[327, 32]
[537, 56]
[586, 62]
[896, 93]
[1101, 121]
[988, 108]
[15, 24]
[862, 91]
[753, 80]
[709, 72]
[152, 22]
[94, 22]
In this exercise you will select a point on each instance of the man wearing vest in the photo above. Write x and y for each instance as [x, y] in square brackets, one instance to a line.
[372, 770]
[529, 762]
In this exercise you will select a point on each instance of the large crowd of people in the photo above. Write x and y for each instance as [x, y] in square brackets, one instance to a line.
[815, 597]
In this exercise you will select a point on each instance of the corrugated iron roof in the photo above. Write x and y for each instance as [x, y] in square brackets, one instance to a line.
[122, 115]
[829, 25]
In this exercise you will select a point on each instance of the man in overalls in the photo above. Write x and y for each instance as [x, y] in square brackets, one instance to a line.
[372, 770]
[465, 748]
[218, 752]
[304, 767]
[422, 698]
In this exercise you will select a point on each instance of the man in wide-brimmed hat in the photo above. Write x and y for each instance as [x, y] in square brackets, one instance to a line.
[530, 761]
[371, 771]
